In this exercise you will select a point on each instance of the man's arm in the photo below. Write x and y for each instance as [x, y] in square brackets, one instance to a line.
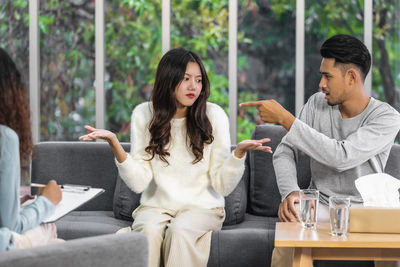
[368, 141]
[341, 155]
[271, 111]
[284, 159]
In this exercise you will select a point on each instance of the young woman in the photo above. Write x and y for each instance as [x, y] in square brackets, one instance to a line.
[180, 159]
[19, 228]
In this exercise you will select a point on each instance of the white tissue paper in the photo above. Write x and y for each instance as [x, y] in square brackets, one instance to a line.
[379, 190]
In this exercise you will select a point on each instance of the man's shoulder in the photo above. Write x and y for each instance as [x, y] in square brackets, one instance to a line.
[378, 108]
[382, 106]
[318, 99]
[317, 103]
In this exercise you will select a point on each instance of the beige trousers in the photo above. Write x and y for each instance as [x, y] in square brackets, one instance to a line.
[282, 257]
[177, 238]
[40, 235]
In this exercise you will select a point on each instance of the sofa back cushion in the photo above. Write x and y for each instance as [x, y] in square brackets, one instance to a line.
[126, 201]
[392, 165]
[264, 197]
[83, 163]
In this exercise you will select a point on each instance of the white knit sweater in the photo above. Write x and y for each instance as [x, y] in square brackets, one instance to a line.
[181, 184]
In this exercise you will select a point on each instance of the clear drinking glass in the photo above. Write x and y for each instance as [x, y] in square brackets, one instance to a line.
[308, 207]
[339, 208]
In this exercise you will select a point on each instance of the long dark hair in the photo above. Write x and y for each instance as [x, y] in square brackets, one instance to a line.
[170, 72]
[14, 105]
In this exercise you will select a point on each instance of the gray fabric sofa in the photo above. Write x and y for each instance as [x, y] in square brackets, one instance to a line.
[101, 251]
[247, 237]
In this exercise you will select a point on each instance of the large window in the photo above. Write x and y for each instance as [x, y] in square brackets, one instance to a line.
[14, 31]
[67, 68]
[265, 57]
[386, 48]
[323, 19]
[14, 28]
[202, 26]
[135, 34]
[133, 49]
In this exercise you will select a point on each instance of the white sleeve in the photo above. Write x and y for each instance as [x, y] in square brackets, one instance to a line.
[136, 171]
[226, 170]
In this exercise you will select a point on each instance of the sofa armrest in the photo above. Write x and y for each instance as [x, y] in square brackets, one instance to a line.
[128, 249]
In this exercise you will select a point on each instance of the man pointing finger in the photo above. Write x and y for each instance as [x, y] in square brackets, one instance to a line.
[271, 111]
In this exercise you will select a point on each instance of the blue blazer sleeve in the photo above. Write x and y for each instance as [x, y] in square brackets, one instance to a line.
[6, 242]
[11, 215]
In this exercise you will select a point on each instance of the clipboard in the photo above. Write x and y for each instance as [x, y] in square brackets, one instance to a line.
[72, 198]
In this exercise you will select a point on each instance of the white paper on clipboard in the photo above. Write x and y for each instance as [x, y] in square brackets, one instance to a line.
[71, 200]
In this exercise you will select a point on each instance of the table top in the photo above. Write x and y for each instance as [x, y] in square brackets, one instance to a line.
[291, 234]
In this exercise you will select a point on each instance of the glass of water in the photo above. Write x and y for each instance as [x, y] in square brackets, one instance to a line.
[308, 207]
[339, 208]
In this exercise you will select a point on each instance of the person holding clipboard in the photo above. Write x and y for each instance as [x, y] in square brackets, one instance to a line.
[20, 228]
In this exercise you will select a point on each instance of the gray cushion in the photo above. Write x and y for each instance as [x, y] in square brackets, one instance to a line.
[392, 165]
[253, 249]
[88, 223]
[126, 201]
[235, 204]
[120, 250]
[264, 196]
[88, 163]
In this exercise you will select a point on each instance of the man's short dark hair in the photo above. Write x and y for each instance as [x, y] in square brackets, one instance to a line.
[347, 49]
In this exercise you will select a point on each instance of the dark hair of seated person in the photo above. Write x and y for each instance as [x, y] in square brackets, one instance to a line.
[14, 105]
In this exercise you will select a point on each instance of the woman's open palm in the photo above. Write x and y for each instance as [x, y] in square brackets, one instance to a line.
[97, 134]
[245, 145]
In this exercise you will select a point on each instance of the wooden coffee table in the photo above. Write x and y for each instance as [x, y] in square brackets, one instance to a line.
[319, 244]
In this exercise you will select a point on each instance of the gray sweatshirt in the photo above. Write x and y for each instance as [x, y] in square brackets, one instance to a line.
[340, 150]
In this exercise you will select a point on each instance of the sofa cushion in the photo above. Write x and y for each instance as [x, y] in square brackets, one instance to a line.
[79, 224]
[392, 165]
[235, 204]
[264, 196]
[126, 201]
[241, 247]
[83, 163]
[120, 250]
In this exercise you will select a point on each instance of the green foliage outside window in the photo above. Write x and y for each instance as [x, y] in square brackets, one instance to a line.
[133, 49]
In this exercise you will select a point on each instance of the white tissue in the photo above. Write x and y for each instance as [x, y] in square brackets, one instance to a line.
[379, 190]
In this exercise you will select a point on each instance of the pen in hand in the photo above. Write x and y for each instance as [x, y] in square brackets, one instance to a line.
[51, 191]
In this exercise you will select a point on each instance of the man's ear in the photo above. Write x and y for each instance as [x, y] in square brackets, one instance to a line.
[353, 76]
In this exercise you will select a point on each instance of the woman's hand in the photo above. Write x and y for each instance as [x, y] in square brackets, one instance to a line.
[245, 145]
[110, 137]
[98, 134]
[52, 192]
[25, 198]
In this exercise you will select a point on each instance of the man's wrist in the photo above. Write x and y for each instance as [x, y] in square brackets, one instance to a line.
[287, 120]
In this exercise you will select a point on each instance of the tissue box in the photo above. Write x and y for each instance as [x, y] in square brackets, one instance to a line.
[374, 220]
